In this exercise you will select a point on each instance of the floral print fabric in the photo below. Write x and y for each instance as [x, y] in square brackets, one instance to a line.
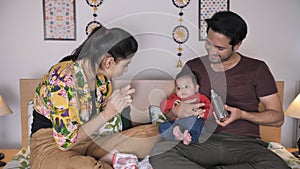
[64, 97]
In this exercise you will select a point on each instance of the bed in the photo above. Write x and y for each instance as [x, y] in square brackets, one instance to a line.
[148, 94]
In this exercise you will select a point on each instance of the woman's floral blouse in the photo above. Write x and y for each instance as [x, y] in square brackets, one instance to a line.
[64, 97]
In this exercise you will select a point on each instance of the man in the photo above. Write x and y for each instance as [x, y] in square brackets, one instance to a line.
[242, 82]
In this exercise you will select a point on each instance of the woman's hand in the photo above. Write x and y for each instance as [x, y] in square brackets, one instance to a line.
[188, 108]
[119, 99]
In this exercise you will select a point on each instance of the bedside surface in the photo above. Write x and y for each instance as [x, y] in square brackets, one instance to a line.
[9, 154]
[292, 149]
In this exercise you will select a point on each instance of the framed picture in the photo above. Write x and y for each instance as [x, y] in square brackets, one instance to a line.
[59, 20]
[206, 9]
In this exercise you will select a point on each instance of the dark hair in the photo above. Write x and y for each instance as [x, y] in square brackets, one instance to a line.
[116, 42]
[229, 24]
[186, 72]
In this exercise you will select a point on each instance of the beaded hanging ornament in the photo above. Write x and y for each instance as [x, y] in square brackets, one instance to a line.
[93, 24]
[180, 33]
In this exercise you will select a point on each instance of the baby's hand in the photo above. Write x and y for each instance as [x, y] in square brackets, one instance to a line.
[177, 102]
[200, 112]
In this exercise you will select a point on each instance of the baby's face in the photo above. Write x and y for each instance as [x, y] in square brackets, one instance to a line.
[185, 87]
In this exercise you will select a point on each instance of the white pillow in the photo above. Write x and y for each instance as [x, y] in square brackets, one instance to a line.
[156, 116]
[30, 116]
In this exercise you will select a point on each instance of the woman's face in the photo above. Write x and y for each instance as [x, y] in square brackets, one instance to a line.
[120, 67]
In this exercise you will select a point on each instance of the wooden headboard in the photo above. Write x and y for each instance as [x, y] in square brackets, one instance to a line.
[147, 92]
[27, 88]
[272, 133]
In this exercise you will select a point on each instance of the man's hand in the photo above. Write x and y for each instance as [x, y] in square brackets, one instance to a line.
[188, 108]
[235, 114]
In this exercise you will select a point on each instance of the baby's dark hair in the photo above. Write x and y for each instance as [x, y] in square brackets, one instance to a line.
[187, 73]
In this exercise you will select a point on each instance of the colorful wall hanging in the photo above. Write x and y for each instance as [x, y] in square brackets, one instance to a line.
[207, 9]
[180, 33]
[59, 20]
[93, 24]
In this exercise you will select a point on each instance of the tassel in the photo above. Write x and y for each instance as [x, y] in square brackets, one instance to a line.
[179, 64]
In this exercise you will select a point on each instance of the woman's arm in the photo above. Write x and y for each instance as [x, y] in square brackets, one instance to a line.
[116, 103]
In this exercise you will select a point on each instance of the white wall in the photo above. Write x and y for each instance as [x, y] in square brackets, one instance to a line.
[274, 36]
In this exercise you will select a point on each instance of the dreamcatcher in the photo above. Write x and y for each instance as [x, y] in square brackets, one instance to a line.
[180, 33]
[93, 24]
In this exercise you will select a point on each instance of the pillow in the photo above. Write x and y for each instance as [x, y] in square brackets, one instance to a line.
[30, 115]
[156, 116]
[114, 125]
[20, 160]
[288, 157]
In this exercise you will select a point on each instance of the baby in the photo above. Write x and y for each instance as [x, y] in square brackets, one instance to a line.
[185, 129]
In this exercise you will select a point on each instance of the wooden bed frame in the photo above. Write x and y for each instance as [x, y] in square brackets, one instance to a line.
[148, 92]
[27, 88]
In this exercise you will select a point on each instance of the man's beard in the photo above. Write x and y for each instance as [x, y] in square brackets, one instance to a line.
[221, 60]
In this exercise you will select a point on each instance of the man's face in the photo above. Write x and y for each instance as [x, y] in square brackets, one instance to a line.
[218, 48]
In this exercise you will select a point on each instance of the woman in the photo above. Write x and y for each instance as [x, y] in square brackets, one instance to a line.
[77, 121]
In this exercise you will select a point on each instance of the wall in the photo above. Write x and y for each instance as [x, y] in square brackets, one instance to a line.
[274, 36]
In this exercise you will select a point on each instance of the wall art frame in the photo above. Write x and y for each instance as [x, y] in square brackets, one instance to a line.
[59, 20]
[206, 9]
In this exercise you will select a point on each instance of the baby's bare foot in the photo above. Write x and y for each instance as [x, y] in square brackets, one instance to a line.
[187, 138]
[177, 133]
